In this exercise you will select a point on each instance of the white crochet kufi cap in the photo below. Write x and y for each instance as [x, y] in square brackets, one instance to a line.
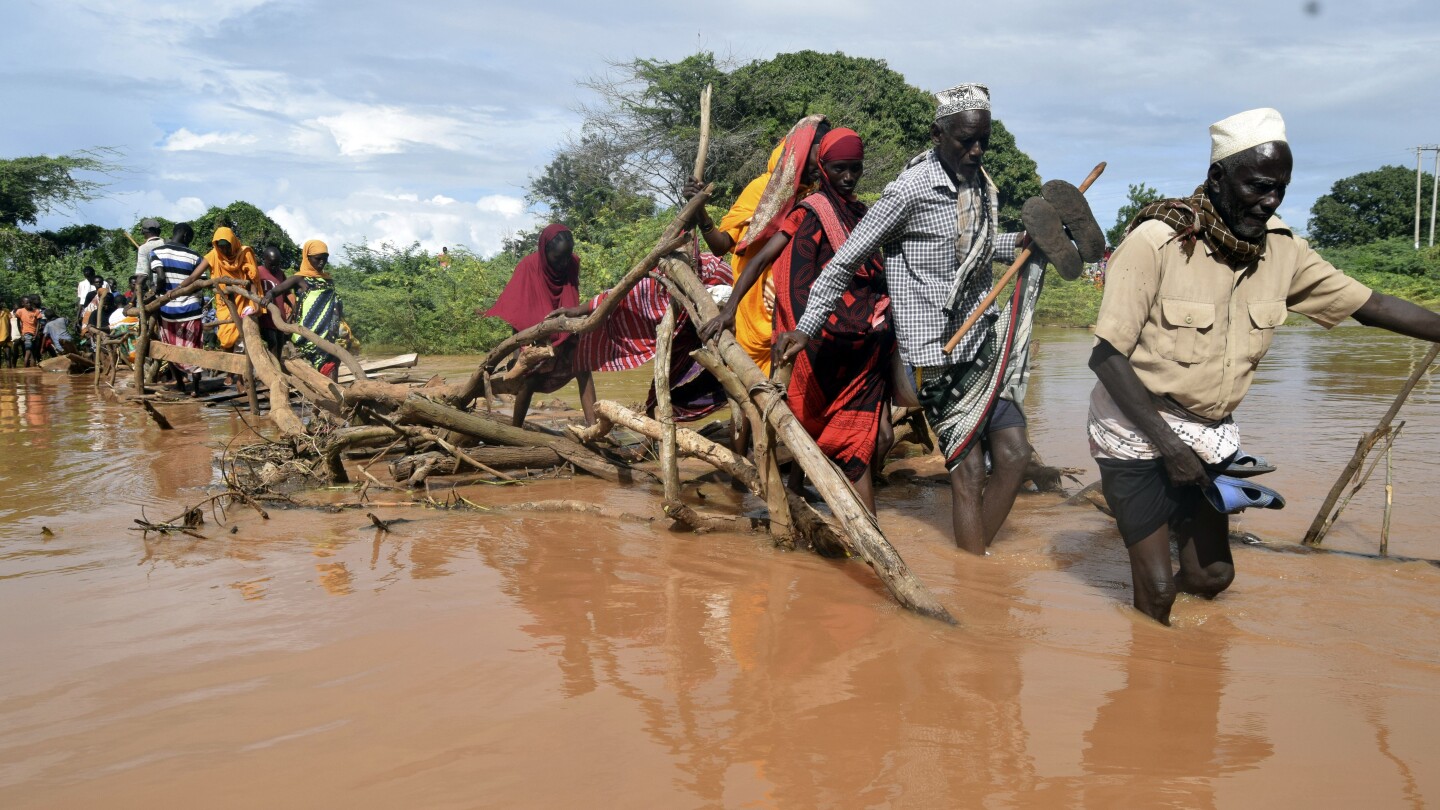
[1245, 130]
[960, 98]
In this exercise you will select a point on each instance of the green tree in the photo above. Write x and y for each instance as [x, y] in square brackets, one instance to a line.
[39, 184]
[250, 224]
[648, 113]
[581, 182]
[1138, 197]
[1367, 207]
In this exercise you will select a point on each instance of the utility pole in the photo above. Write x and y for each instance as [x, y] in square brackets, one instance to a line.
[1434, 194]
[1419, 175]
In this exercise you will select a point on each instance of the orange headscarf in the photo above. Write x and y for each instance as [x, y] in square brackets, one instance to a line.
[311, 248]
[239, 264]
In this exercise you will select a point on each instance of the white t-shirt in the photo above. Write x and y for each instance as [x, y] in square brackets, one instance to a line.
[83, 289]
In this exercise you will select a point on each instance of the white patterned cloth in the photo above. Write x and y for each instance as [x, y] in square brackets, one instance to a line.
[914, 224]
[1114, 436]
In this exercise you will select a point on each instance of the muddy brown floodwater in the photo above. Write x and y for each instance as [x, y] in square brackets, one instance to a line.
[501, 660]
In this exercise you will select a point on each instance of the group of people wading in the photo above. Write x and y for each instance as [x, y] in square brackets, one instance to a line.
[166, 269]
[862, 302]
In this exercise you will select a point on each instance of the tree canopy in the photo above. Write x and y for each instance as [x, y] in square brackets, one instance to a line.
[1138, 197]
[640, 137]
[1368, 207]
[38, 184]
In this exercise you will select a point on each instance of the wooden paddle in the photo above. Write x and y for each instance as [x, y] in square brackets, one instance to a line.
[1009, 274]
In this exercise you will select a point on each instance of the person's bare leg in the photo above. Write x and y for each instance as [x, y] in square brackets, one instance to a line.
[967, 481]
[522, 404]
[865, 487]
[586, 381]
[795, 481]
[884, 441]
[1153, 578]
[1206, 567]
[1009, 455]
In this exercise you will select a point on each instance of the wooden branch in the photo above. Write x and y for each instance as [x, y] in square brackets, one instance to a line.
[500, 458]
[228, 362]
[419, 410]
[812, 527]
[269, 373]
[1315, 535]
[704, 151]
[278, 320]
[664, 413]
[864, 534]
[672, 239]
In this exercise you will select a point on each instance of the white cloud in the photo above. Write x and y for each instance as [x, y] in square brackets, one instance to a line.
[385, 129]
[183, 140]
[402, 218]
[502, 204]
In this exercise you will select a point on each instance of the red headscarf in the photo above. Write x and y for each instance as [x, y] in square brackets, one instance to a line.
[537, 289]
[841, 144]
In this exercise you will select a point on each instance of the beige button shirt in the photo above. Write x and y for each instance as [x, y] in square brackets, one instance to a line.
[1195, 329]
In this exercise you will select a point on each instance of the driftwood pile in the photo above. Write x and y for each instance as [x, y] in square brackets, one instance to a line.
[436, 429]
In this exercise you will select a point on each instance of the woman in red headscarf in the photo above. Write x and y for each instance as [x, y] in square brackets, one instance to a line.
[840, 387]
[545, 281]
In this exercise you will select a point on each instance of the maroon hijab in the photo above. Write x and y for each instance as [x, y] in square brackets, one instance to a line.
[537, 289]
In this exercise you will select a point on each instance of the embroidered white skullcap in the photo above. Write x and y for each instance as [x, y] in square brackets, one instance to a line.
[960, 98]
[1244, 130]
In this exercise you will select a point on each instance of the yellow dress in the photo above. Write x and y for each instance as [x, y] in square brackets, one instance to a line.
[240, 266]
[753, 324]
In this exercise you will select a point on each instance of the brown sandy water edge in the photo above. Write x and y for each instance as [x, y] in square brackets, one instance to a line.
[538, 660]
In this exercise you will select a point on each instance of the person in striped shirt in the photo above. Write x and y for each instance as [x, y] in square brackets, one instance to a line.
[174, 265]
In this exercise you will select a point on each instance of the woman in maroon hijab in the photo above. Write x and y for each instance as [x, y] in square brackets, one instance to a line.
[545, 281]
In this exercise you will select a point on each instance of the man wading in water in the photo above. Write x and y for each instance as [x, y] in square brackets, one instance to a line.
[1192, 299]
[937, 227]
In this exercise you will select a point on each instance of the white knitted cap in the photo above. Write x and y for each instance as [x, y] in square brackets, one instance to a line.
[961, 98]
[1244, 130]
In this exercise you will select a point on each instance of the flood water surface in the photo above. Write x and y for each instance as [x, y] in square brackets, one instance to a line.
[509, 659]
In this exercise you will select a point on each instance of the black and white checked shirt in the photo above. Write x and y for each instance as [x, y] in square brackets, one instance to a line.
[914, 225]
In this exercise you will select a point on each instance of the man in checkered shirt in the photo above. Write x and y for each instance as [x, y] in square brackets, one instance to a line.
[936, 226]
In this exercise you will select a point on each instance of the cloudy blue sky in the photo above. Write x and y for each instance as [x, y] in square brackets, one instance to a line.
[382, 121]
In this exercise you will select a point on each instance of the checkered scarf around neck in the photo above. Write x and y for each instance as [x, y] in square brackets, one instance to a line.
[1195, 216]
[977, 218]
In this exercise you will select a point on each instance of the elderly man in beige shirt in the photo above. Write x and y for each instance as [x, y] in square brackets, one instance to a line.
[1193, 296]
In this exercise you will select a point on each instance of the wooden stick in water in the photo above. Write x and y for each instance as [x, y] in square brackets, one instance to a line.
[1010, 274]
[1389, 502]
[1316, 533]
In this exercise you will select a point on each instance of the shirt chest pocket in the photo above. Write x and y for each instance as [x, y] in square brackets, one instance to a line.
[1188, 328]
[1264, 317]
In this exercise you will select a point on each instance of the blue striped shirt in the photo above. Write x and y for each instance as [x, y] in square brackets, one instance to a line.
[171, 264]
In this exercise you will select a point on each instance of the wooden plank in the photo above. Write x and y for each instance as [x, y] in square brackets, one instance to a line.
[398, 361]
[215, 361]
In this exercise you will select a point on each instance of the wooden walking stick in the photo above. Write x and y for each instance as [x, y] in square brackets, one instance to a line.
[1010, 274]
[704, 150]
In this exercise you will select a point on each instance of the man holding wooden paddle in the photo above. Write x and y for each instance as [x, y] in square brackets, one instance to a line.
[936, 226]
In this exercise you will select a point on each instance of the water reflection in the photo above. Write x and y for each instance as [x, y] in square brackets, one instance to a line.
[1161, 730]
